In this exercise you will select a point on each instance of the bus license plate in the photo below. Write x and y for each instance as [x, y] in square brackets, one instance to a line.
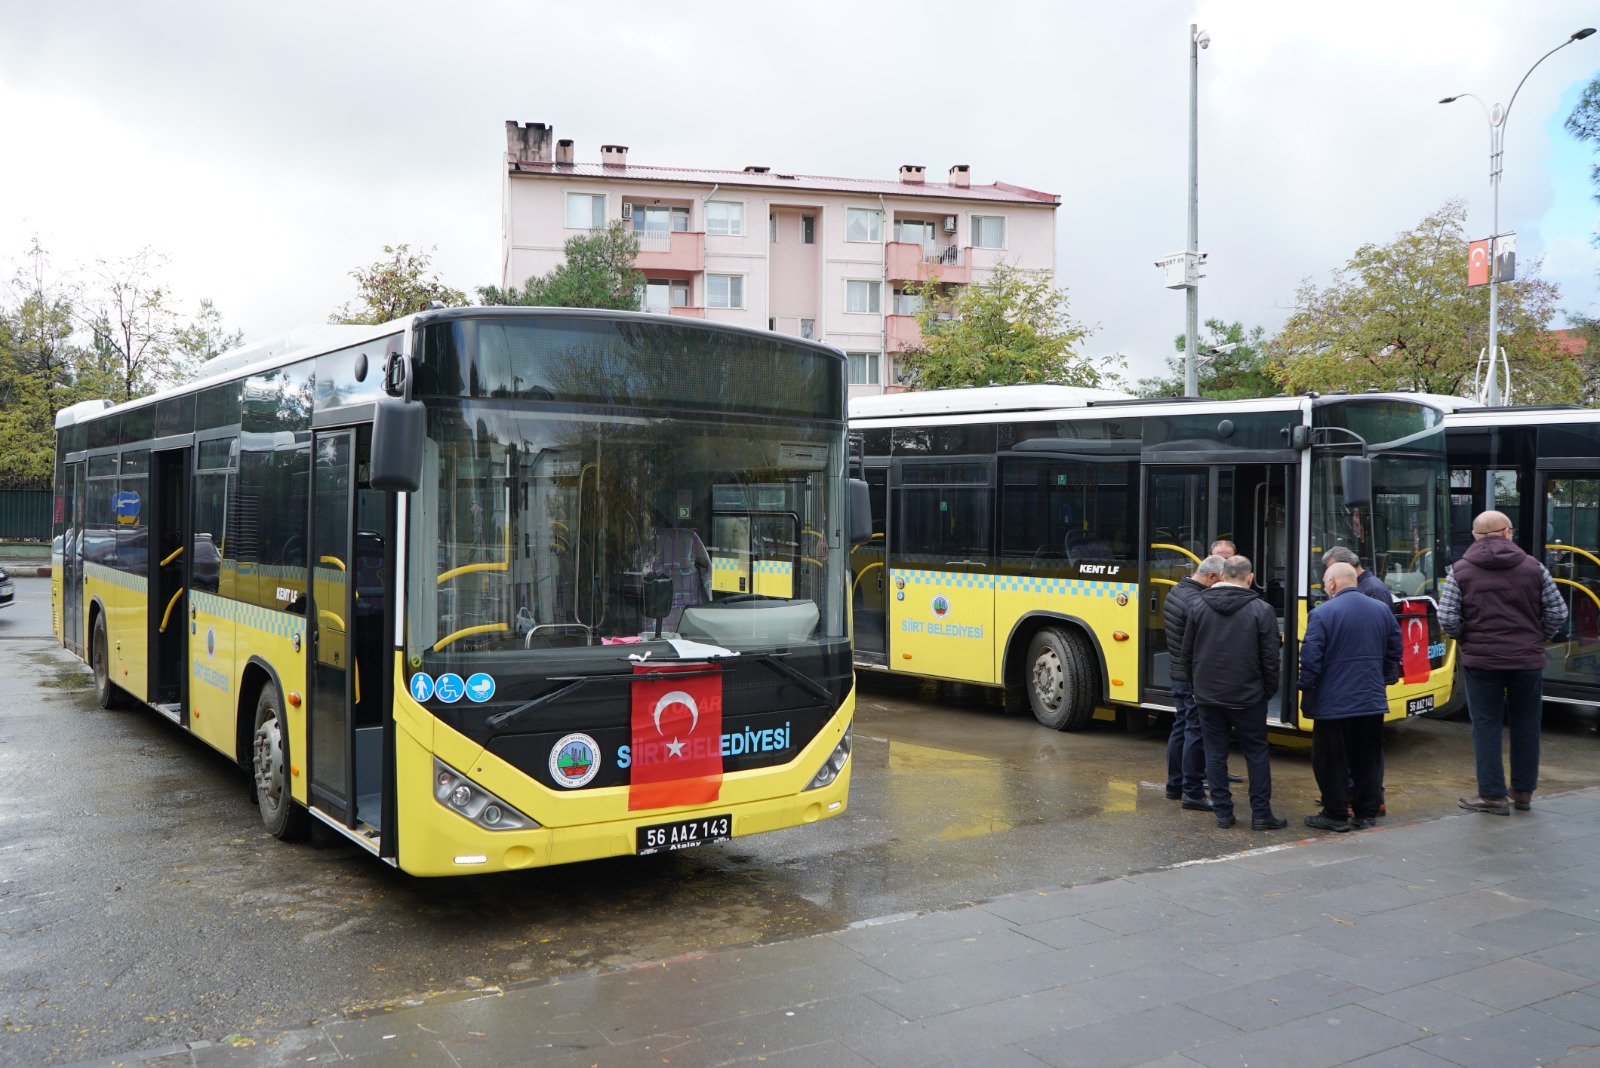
[685, 834]
[1415, 706]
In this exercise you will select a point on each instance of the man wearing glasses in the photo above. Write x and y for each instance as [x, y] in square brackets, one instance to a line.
[1501, 606]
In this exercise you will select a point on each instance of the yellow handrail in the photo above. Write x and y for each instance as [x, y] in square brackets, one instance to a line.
[466, 569]
[482, 628]
[172, 556]
[334, 560]
[1176, 548]
[1574, 549]
[863, 574]
[336, 617]
[1164, 582]
[1575, 585]
[168, 613]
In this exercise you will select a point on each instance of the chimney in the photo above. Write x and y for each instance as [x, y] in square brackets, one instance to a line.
[614, 155]
[911, 173]
[753, 169]
[528, 144]
[960, 175]
[564, 151]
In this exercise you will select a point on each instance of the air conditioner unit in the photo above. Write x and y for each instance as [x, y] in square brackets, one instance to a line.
[627, 211]
[949, 224]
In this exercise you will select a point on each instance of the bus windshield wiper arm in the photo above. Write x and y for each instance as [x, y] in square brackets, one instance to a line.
[804, 681]
[571, 683]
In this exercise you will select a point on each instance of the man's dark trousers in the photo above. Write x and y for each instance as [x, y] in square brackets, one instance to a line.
[1346, 751]
[1498, 699]
[1250, 727]
[1186, 758]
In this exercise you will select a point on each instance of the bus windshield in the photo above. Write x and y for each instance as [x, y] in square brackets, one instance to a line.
[1402, 536]
[546, 535]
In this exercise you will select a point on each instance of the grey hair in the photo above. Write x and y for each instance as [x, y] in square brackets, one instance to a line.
[1341, 554]
[1211, 565]
[1237, 568]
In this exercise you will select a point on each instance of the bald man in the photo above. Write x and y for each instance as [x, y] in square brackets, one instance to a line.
[1350, 655]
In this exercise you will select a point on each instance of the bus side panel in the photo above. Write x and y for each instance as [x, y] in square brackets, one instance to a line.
[1094, 602]
[213, 671]
[57, 598]
[942, 624]
[122, 596]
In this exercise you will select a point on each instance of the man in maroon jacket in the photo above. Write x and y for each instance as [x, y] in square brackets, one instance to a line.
[1501, 606]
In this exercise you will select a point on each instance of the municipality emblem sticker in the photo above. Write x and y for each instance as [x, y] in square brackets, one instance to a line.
[575, 761]
[211, 643]
[941, 606]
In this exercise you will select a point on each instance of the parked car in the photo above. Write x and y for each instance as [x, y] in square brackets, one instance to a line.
[7, 591]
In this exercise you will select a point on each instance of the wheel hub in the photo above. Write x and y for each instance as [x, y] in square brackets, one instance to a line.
[1047, 679]
[269, 762]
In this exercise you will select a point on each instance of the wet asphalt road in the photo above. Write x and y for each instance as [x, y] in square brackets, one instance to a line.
[141, 903]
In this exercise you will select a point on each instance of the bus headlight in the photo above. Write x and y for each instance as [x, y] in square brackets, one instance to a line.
[461, 795]
[833, 765]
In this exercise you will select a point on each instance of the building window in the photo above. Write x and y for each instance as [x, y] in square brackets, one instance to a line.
[772, 324]
[772, 229]
[725, 218]
[914, 231]
[656, 219]
[586, 211]
[862, 297]
[863, 224]
[808, 328]
[724, 290]
[988, 231]
[661, 295]
[907, 303]
[808, 229]
[863, 368]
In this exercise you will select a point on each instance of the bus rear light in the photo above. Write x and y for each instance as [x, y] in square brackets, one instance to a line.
[466, 798]
[833, 765]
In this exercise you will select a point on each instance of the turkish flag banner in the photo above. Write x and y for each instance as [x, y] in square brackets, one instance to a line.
[1414, 662]
[1478, 262]
[676, 754]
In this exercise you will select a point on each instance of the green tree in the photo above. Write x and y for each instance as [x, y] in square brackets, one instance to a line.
[399, 285]
[1238, 373]
[128, 311]
[1584, 124]
[205, 337]
[598, 273]
[1400, 316]
[1013, 329]
[39, 372]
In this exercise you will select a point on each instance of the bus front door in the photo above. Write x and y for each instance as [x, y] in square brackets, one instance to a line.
[170, 565]
[1179, 515]
[1569, 545]
[72, 562]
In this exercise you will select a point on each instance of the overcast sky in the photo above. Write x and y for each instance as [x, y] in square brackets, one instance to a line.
[268, 149]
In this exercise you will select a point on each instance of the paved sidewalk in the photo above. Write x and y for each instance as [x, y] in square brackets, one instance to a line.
[1471, 940]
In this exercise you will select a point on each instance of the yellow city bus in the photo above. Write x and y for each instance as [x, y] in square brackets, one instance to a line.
[1025, 537]
[482, 588]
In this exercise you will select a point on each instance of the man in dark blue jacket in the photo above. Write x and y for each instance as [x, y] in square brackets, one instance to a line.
[1186, 752]
[1366, 581]
[1350, 654]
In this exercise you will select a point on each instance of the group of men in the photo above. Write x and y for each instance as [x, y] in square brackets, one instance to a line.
[1224, 650]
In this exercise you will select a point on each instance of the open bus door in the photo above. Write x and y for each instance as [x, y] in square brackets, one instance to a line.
[170, 563]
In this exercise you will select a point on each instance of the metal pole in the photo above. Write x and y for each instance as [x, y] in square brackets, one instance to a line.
[1496, 142]
[1192, 291]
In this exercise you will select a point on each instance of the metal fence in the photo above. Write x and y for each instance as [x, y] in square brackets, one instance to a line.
[25, 513]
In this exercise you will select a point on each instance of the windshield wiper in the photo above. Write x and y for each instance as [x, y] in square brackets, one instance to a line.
[573, 683]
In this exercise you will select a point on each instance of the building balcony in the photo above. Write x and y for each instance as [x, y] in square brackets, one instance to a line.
[692, 313]
[902, 332]
[907, 261]
[675, 254]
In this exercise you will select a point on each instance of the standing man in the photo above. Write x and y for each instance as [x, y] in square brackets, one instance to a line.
[1186, 754]
[1232, 648]
[1350, 653]
[1501, 606]
[1223, 547]
[1366, 581]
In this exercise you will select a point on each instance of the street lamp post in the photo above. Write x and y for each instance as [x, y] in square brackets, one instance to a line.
[1497, 138]
[1198, 39]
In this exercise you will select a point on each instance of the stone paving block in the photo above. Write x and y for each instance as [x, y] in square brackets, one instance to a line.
[1558, 892]
[829, 1054]
[996, 1057]
[973, 1035]
[912, 930]
[1373, 895]
[1511, 984]
[1415, 960]
[1145, 987]
[1268, 1002]
[765, 1033]
[1529, 932]
[1069, 901]
[1140, 916]
[958, 954]
[1065, 931]
[1526, 1036]
[1247, 925]
[1130, 1040]
[1402, 1057]
[1249, 961]
[1578, 1006]
[654, 1051]
[1428, 1008]
[954, 991]
[1317, 1041]
[1456, 912]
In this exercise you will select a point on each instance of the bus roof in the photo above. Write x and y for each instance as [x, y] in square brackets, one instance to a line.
[1522, 414]
[976, 399]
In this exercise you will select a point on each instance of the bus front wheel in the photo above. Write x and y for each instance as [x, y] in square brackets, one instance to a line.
[270, 758]
[106, 694]
[1059, 679]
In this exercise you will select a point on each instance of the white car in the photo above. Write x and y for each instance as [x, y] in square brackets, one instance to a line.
[7, 591]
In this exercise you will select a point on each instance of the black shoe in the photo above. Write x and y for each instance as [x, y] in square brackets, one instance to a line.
[1322, 822]
[1495, 806]
[1269, 822]
[1225, 822]
[1198, 804]
[1173, 795]
[1363, 824]
[1236, 778]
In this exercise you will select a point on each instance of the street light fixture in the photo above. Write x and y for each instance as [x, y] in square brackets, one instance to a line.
[1497, 117]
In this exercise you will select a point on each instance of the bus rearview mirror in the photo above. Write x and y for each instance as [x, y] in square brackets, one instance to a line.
[1355, 473]
[398, 430]
[860, 512]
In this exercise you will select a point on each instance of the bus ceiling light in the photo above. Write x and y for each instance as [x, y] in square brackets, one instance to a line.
[834, 765]
[466, 798]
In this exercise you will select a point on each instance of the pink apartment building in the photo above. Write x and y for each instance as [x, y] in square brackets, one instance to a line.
[824, 258]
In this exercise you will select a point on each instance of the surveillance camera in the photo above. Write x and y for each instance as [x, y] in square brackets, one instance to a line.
[1203, 39]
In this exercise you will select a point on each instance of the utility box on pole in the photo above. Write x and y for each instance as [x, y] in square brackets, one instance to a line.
[1182, 269]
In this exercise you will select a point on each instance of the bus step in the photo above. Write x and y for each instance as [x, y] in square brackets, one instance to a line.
[172, 711]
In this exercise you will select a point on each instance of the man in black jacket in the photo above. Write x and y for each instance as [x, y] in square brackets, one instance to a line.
[1186, 755]
[1233, 652]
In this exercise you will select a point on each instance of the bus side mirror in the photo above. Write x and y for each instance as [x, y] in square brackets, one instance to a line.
[1355, 472]
[1297, 437]
[398, 430]
[860, 512]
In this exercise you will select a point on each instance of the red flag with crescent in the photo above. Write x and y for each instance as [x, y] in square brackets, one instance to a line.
[676, 754]
[1414, 662]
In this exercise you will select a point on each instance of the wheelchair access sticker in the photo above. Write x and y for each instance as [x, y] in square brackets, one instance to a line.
[449, 688]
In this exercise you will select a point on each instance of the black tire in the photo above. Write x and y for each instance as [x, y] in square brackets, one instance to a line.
[1059, 677]
[106, 693]
[269, 760]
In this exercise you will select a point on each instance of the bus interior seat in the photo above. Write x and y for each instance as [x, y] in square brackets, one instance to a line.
[1084, 547]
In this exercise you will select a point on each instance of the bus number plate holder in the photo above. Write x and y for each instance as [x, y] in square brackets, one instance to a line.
[684, 834]
[1416, 706]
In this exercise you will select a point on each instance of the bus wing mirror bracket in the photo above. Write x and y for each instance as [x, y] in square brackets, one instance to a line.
[860, 512]
[1355, 474]
[1298, 437]
[398, 430]
[397, 375]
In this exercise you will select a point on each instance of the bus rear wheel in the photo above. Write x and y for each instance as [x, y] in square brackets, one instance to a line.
[106, 694]
[1060, 679]
[270, 759]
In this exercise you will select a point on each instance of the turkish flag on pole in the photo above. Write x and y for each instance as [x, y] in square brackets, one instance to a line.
[1478, 262]
[676, 755]
[1414, 642]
